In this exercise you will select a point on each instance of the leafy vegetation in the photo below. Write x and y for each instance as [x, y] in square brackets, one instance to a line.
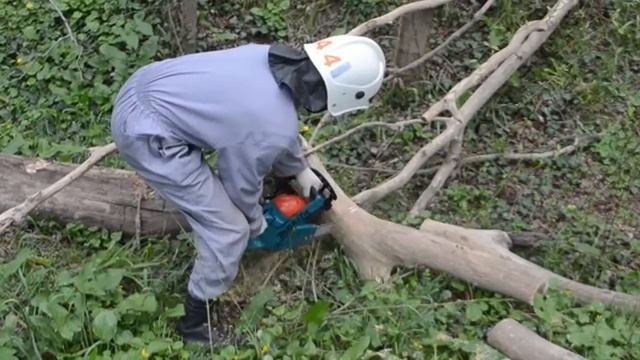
[75, 292]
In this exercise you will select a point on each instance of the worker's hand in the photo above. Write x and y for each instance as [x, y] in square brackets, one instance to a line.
[308, 182]
[258, 227]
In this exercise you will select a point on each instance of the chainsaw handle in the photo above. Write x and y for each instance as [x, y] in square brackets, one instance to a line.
[326, 190]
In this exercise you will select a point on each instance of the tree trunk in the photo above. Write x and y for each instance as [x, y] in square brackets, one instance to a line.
[105, 198]
[520, 343]
[414, 34]
[189, 25]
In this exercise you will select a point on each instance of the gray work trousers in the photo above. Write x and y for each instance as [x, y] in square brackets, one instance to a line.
[177, 171]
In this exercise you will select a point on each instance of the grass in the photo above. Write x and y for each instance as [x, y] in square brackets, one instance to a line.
[71, 292]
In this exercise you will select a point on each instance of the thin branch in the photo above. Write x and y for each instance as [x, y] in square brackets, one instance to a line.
[316, 131]
[16, 214]
[275, 268]
[313, 271]
[450, 163]
[391, 16]
[66, 23]
[424, 58]
[395, 126]
[534, 156]
[174, 30]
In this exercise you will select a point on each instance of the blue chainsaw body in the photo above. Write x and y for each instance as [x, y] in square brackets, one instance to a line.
[285, 233]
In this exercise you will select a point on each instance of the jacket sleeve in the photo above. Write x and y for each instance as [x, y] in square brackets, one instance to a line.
[291, 161]
[242, 168]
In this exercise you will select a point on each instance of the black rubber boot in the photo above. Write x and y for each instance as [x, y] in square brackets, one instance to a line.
[193, 327]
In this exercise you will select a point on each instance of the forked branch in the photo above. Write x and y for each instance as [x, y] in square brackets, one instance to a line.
[489, 77]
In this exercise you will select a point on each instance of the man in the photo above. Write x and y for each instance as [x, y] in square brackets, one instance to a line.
[240, 103]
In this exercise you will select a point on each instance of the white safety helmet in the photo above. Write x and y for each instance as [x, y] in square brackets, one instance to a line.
[352, 68]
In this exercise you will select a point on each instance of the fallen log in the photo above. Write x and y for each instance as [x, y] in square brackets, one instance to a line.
[106, 198]
[519, 343]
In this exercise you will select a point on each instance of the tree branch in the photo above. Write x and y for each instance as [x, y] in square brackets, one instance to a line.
[394, 126]
[391, 16]
[497, 70]
[519, 343]
[450, 163]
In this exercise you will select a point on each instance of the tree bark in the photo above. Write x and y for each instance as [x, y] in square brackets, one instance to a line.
[519, 343]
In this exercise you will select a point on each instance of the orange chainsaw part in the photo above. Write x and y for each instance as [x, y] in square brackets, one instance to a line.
[289, 205]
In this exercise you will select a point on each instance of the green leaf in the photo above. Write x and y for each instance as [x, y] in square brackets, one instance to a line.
[176, 311]
[131, 39]
[316, 313]
[93, 25]
[139, 303]
[70, 327]
[112, 52]
[144, 28]
[255, 310]
[474, 311]
[372, 333]
[7, 353]
[356, 350]
[29, 33]
[582, 335]
[105, 325]
[14, 145]
[604, 332]
[635, 100]
[124, 337]
[587, 249]
[157, 346]
[13, 265]
[109, 280]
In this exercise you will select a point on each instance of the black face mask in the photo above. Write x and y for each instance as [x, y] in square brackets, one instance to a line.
[293, 68]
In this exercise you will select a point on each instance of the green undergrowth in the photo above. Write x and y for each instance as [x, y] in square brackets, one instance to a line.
[67, 291]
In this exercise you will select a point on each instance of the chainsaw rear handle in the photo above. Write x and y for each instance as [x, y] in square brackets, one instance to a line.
[326, 190]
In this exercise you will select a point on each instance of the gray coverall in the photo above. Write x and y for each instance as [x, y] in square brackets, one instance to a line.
[227, 101]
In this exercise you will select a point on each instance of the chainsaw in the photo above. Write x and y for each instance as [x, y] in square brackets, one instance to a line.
[291, 218]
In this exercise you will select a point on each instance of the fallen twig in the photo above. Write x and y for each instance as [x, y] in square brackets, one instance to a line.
[66, 23]
[394, 125]
[533, 156]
